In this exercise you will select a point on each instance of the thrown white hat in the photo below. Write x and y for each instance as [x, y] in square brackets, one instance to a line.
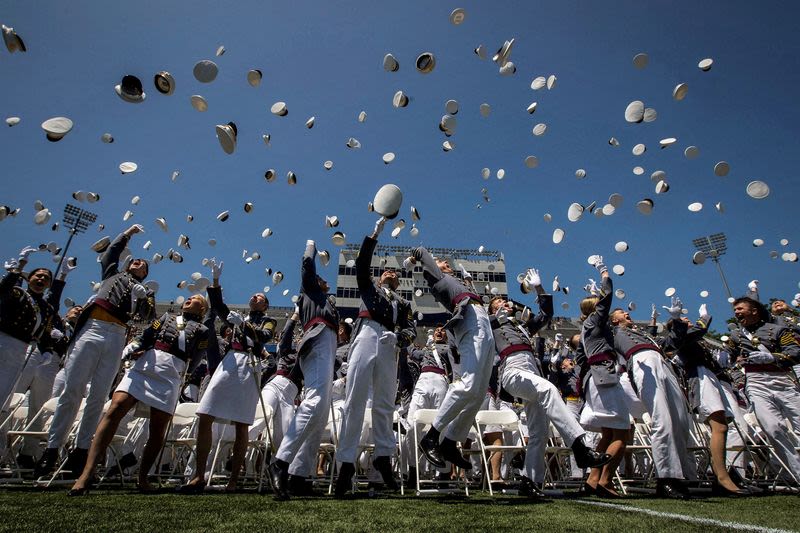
[13, 41]
[205, 71]
[199, 103]
[388, 200]
[226, 135]
[164, 82]
[130, 89]
[56, 128]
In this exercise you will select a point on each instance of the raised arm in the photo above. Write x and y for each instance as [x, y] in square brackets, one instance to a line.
[308, 269]
[109, 261]
[429, 266]
[364, 267]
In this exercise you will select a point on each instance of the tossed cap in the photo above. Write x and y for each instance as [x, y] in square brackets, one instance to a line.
[327, 165]
[691, 152]
[12, 121]
[621, 247]
[532, 108]
[162, 223]
[502, 55]
[353, 143]
[331, 221]
[42, 216]
[451, 106]
[485, 110]
[703, 294]
[390, 64]
[226, 135]
[56, 128]
[639, 149]
[254, 77]
[480, 51]
[705, 64]
[640, 60]
[101, 245]
[722, 168]
[558, 235]
[679, 92]
[248, 207]
[414, 213]
[757, 189]
[457, 16]
[669, 141]
[661, 187]
[130, 89]
[634, 113]
[222, 217]
[539, 129]
[551, 81]
[107, 138]
[388, 200]
[758, 242]
[669, 292]
[650, 115]
[508, 69]
[338, 238]
[698, 258]
[128, 167]
[531, 161]
[199, 103]
[291, 178]
[538, 82]
[645, 206]
[324, 257]
[399, 99]
[580, 173]
[575, 212]
[266, 233]
[362, 116]
[448, 145]
[164, 82]
[13, 41]
[279, 108]
[388, 157]
[310, 122]
[619, 293]
[205, 71]
[269, 175]
[615, 199]
[220, 50]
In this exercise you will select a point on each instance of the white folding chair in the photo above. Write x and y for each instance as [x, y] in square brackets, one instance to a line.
[425, 417]
[505, 420]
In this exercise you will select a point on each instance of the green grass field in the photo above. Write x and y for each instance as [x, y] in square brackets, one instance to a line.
[120, 510]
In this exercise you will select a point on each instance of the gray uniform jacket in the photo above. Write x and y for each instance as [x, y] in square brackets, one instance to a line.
[388, 309]
[317, 309]
[287, 356]
[425, 359]
[778, 339]
[512, 335]
[115, 290]
[448, 290]
[596, 337]
[257, 330]
[628, 341]
[188, 343]
[24, 315]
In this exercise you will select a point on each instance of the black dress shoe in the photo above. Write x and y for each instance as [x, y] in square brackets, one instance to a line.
[587, 490]
[450, 453]
[78, 492]
[192, 490]
[719, 490]
[672, 488]
[47, 463]
[26, 462]
[518, 461]
[585, 457]
[383, 465]
[279, 475]
[430, 448]
[608, 494]
[531, 489]
[344, 483]
[76, 461]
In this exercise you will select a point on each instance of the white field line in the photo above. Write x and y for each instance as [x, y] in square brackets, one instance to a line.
[693, 519]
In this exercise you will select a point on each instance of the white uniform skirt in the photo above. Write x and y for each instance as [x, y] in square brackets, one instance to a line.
[155, 380]
[232, 393]
[712, 396]
[605, 407]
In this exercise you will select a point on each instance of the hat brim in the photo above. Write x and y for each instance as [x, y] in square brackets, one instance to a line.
[227, 139]
[127, 97]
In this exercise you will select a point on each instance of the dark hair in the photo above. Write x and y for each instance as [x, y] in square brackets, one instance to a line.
[755, 304]
[346, 327]
[40, 269]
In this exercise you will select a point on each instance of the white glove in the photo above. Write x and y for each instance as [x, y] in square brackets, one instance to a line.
[130, 349]
[311, 243]
[429, 341]
[591, 287]
[216, 269]
[136, 228]
[753, 286]
[66, 268]
[56, 334]
[760, 358]
[379, 226]
[235, 319]
[599, 265]
[408, 263]
[501, 314]
[703, 310]
[465, 273]
[532, 278]
[675, 308]
[653, 312]
[139, 292]
[25, 252]
[11, 264]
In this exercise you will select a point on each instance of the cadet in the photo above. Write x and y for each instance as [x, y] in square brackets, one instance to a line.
[95, 354]
[385, 322]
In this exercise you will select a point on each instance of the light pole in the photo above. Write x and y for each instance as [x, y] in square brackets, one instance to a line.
[76, 220]
[713, 247]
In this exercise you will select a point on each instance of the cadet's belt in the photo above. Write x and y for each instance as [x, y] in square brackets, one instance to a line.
[101, 312]
[508, 350]
[640, 347]
[239, 347]
[366, 314]
[165, 347]
[474, 298]
[434, 369]
[601, 357]
[317, 320]
[282, 372]
[764, 368]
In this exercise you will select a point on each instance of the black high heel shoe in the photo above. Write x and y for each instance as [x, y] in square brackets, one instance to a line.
[587, 490]
[78, 492]
[195, 489]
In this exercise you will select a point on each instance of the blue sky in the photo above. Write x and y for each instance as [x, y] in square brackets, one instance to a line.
[324, 59]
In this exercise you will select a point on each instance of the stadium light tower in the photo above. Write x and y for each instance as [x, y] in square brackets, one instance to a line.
[76, 220]
[713, 247]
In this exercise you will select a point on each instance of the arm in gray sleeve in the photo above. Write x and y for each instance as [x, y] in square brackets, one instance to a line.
[603, 307]
[540, 320]
[109, 261]
[308, 270]
[429, 266]
[285, 344]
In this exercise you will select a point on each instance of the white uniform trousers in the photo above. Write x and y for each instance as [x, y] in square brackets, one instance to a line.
[312, 415]
[12, 360]
[776, 399]
[94, 356]
[429, 392]
[671, 423]
[473, 334]
[278, 395]
[372, 362]
[37, 376]
[543, 404]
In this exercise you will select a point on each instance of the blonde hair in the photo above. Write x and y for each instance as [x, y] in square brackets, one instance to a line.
[588, 306]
